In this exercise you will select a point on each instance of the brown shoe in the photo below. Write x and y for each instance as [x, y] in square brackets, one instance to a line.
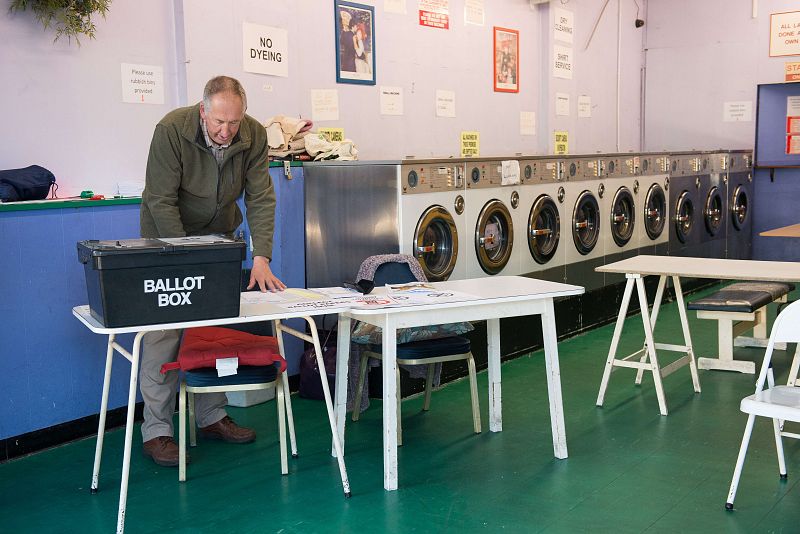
[226, 430]
[163, 450]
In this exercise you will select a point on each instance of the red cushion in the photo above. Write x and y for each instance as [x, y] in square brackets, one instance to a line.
[201, 347]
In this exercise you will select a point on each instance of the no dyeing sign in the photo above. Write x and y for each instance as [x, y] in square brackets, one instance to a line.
[265, 50]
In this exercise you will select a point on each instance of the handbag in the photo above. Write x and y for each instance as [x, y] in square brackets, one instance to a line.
[201, 347]
[30, 183]
[310, 380]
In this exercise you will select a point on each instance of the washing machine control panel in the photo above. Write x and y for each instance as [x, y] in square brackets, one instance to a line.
[662, 164]
[740, 161]
[484, 174]
[552, 170]
[430, 178]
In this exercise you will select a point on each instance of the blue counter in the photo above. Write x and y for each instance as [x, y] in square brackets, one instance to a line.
[51, 367]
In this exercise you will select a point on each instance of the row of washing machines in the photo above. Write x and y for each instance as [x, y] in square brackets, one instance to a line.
[555, 218]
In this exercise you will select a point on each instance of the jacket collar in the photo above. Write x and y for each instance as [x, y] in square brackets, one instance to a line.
[194, 133]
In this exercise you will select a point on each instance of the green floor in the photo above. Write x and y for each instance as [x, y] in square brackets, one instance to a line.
[629, 469]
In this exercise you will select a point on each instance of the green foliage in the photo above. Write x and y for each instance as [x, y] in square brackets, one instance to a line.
[70, 18]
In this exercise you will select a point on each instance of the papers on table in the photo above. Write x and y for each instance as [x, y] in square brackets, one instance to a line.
[412, 294]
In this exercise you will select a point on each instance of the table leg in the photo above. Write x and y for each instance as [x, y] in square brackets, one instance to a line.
[687, 337]
[101, 426]
[651, 346]
[662, 282]
[612, 351]
[390, 399]
[126, 458]
[278, 331]
[329, 405]
[495, 391]
[342, 369]
[553, 380]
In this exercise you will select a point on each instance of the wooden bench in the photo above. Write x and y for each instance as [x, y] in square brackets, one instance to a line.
[738, 308]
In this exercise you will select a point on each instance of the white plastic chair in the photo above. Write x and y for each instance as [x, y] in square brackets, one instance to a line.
[779, 403]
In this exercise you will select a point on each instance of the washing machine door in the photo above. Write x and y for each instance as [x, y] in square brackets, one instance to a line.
[712, 213]
[586, 222]
[623, 216]
[739, 206]
[655, 209]
[494, 237]
[684, 216]
[544, 229]
[436, 243]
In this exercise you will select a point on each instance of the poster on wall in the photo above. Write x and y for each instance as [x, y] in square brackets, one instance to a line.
[324, 105]
[505, 66]
[562, 62]
[265, 50]
[784, 34]
[395, 6]
[434, 14]
[563, 25]
[355, 43]
[474, 12]
[142, 84]
[445, 103]
[793, 125]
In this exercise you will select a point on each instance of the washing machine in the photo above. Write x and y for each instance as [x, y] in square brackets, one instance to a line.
[489, 222]
[540, 240]
[432, 217]
[685, 203]
[713, 194]
[620, 206]
[583, 233]
[654, 208]
[739, 220]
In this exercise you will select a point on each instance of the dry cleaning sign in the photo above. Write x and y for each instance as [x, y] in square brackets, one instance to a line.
[265, 50]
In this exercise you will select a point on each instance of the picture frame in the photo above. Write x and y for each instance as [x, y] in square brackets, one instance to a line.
[355, 42]
[505, 60]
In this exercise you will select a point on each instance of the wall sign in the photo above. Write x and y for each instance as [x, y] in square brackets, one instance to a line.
[562, 62]
[784, 34]
[265, 50]
[792, 70]
[737, 111]
[563, 25]
[434, 14]
[142, 84]
[324, 105]
[470, 144]
[560, 142]
[445, 103]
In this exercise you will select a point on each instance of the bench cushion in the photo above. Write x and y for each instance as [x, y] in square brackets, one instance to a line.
[744, 297]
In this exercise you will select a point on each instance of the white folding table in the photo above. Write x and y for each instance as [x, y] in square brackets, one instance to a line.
[491, 299]
[635, 269]
[249, 313]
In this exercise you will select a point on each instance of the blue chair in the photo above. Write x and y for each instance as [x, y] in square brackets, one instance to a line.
[426, 352]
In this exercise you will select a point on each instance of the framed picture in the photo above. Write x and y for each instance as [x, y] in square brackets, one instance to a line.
[505, 65]
[355, 42]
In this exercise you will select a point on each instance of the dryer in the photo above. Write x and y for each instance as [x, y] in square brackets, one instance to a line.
[489, 222]
[740, 202]
[685, 203]
[654, 209]
[583, 232]
[540, 240]
[432, 217]
[715, 204]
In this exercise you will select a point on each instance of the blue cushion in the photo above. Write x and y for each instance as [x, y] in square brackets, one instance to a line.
[429, 348]
[207, 376]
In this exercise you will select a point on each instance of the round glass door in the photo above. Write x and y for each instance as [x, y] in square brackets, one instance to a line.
[684, 216]
[623, 216]
[544, 229]
[586, 222]
[436, 243]
[494, 237]
[655, 209]
[739, 207]
[713, 211]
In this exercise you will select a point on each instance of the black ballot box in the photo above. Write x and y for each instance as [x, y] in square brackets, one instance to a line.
[134, 282]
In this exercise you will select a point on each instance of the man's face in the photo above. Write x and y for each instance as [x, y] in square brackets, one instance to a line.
[223, 117]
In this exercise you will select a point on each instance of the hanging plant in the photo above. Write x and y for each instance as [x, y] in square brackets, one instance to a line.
[70, 18]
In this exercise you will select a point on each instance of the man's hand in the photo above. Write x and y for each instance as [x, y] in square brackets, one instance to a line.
[262, 274]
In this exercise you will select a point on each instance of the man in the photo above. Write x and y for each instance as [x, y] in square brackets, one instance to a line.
[202, 158]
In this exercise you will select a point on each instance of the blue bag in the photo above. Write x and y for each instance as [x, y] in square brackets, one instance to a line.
[30, 183]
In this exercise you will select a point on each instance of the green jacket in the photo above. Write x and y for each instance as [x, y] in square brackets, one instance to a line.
[186, 193]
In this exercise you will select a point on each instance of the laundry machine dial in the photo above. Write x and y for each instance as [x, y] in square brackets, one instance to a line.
[586, 222]
[623, 216]
[458, 205]
[514, 199]
[739, 207]
[655, 206]
[475, 176]
[713, 211]
[684, 216]
[413, 179]
[544, 229]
